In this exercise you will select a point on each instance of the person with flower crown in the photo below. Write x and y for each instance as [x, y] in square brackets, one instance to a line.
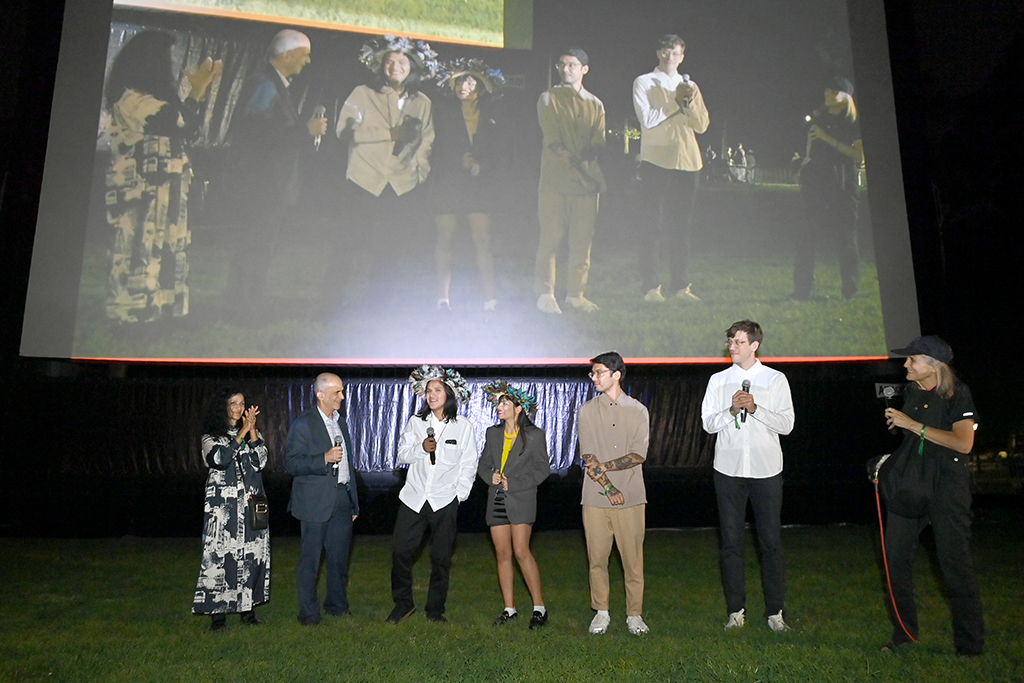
[389, 129]
[514, 463]
[463, 163]
[440, 449]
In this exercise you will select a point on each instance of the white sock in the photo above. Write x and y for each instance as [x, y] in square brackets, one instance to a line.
[540, 608]
[510, 611]
[603, 612]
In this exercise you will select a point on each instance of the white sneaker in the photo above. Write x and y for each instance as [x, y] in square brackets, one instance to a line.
[776, 623]
[636, 625]
[490, 304]
[582, 303]
[600, 623]
[687, 295]
[443, 305]
[736, 620]
[548, 304]
[654, 294]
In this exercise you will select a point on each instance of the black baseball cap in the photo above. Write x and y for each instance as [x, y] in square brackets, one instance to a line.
[929, 345]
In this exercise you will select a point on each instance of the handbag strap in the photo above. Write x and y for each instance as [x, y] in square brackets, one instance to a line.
[241, 469]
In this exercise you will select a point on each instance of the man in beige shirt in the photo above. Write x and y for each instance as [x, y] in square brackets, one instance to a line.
[573, 123]
[614, 430]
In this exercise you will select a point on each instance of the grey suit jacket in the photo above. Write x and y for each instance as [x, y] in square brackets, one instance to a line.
[313, 487]
[526, 468]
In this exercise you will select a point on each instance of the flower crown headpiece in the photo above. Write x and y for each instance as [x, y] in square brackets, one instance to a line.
[499, 387]
[450, 72]
[373, 51]
[425, 374]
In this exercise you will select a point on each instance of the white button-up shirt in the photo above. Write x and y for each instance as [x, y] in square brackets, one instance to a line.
[451, 476]
[748, 449]
[667, 131]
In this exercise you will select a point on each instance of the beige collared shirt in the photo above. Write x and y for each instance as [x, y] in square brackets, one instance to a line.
[610, 430]
[667, 131]
[370, 115]
[575, 122]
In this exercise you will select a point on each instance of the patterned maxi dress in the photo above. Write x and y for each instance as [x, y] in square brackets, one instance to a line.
[235, 572]
[147, 207]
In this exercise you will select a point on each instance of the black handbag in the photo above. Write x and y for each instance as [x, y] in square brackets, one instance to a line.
[257, 508]
[907, 480]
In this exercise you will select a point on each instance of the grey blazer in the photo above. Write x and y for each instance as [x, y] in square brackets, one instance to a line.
[525, 469]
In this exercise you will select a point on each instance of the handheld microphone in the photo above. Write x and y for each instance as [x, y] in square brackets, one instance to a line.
[888, 393]
[430, 435]
[746, 387]
[334, 465]
[319, 112]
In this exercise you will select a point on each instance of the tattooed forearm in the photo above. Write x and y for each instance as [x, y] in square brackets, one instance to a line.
[625, 462]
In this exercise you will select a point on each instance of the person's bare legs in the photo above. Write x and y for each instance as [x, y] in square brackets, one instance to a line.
[446, 224]
[502, 537]
[527, 563]
[480, 224]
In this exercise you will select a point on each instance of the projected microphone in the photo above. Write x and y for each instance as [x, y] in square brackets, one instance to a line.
[430, 435]
[334, 465]
[889, 392]
[746, 387]
[319, 112]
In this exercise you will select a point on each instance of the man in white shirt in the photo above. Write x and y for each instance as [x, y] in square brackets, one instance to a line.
[748, 406]
[440, 449]
[671, 110]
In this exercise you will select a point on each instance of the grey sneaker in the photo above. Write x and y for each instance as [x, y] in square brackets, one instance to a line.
[582, 303]
[636, 625]
[776, 623]
[736, 620]
[600, 623]
[548, 304]
[687, 295]
[654, 294]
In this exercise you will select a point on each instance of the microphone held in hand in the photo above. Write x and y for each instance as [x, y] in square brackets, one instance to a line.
[888, 393]
[319, 112]
[746, 388]
[430, 435]
[334, 465]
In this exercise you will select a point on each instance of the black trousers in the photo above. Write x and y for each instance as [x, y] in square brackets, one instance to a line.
[765, 496]
[667, 199]
[335, 538]
[832, 211]
[410, 528]
[950, 516]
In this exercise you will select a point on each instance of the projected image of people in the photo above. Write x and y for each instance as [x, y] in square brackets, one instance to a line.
[388, 126]
[235, 572]
[829, 187]
[148, 179]
[464, 157]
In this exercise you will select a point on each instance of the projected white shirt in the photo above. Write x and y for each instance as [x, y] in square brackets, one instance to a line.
[667, 131]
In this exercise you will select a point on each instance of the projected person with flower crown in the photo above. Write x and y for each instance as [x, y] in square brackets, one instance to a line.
[440, 449]
[389, 130]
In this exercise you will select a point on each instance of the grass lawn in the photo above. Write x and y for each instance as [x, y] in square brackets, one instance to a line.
[118, 610]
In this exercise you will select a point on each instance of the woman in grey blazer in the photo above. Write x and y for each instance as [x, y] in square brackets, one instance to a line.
[513, 464]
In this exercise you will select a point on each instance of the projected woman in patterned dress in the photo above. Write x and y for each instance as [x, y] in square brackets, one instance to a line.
[148, 178]
[235, 573]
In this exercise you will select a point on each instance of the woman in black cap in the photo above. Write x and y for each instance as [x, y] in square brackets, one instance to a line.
[938, 423]
[828, 186]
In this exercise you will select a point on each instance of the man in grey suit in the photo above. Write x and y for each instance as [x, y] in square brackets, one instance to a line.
[320, 458]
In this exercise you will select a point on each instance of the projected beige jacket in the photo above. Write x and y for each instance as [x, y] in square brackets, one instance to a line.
[368, 117]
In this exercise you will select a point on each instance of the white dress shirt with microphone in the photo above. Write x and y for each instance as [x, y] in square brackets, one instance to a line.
[748, 449]
[340, 468]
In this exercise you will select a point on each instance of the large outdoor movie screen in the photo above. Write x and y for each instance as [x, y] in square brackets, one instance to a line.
[216, 191]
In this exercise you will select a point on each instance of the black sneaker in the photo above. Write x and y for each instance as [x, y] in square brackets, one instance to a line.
[538, 619]
[505, 617]
[436, 618]
[399, 613]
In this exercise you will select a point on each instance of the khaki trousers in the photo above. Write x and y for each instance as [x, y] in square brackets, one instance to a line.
[560, 213]
[626, 527]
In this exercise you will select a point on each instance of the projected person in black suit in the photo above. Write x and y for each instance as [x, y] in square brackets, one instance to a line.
[828, 186]
[671, 111]
[148, 178]
[320, 457]
[266, 138]
[463, 161]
